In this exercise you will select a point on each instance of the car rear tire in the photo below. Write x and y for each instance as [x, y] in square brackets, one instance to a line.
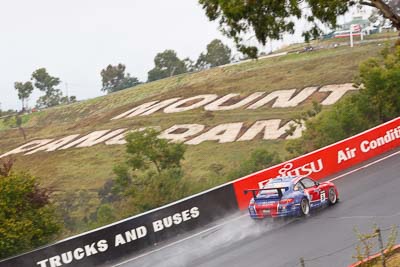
[332, 197]
[304, 207]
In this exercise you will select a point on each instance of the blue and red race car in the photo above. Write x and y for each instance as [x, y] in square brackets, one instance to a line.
[290, 196]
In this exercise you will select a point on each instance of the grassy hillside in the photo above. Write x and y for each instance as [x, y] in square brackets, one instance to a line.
[89, 168]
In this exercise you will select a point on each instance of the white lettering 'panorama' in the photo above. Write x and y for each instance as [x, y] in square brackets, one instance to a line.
[190, 134]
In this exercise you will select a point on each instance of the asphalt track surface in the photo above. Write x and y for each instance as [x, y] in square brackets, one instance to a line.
[369, 195]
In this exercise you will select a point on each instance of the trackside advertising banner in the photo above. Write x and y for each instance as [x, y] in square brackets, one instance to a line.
[327, 160]
[129, 236]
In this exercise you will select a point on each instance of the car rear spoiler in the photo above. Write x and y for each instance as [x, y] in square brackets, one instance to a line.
[255, 191]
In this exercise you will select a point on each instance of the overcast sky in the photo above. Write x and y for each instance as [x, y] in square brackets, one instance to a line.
[74, 40]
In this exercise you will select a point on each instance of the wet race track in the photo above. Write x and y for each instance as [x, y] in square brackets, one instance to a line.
[369, 195]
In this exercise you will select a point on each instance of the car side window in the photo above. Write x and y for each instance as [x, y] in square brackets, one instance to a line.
[298, 187]
[308, 183]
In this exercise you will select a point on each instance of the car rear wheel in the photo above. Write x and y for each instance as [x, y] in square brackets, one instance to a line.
[304, 207]
[332, 196]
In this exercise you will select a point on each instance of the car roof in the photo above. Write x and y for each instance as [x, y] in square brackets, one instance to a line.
[286, 179]
[279, 182]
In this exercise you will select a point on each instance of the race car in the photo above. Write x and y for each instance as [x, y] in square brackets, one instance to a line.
[290, 196]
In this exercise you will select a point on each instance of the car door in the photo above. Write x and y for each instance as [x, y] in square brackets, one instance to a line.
[311, 188]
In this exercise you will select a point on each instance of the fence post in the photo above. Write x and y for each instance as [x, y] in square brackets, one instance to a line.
[302, 264]
[378, 231]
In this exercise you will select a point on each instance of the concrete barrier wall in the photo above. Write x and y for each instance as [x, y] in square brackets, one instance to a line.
[133, 234]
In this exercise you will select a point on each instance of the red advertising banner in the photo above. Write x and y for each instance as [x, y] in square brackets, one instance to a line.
[326, 161]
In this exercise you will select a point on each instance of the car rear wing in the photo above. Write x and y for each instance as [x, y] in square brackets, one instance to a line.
[256, 191]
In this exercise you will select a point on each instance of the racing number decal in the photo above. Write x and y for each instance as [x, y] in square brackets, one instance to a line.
[322, 196]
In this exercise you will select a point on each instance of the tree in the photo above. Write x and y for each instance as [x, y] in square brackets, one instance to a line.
[259, 159]
[152, 174]
[376, 18]
[114, 79]
[68, 99]
[166, 64]
[217, 54]
[75, 207]
[270, 19]
[47, 83]
[190, 65]
[18, 121]
[27, 218]
[24, 91]
[145, 148]
[376, 103]
[15, 121]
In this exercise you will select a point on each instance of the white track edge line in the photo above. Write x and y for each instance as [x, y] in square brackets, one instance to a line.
[236, 218]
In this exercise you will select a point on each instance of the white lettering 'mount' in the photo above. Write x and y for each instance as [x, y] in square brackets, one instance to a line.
[146, 108]
[190, 103]
[337, 91]
[285, 98]
[211, 102]
[218, 105]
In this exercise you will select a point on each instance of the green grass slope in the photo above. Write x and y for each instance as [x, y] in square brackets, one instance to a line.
[90, 168]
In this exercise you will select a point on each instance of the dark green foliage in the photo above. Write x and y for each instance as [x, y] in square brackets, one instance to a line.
[114, 79]
[43, 81]
[105, 215]
[6, 165]
[24, 91]
[27, 218]
[153, 189]
[15, 121]
[7, 112]
[216, 168]
[259, 159]
[152, 175]
[107, 192]
[122, 181]
[47, 84]
[217, 54]
[268, 19]
[67, 100]
[166, 64]
[376, 103]
[71, 204]
[144, 148]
